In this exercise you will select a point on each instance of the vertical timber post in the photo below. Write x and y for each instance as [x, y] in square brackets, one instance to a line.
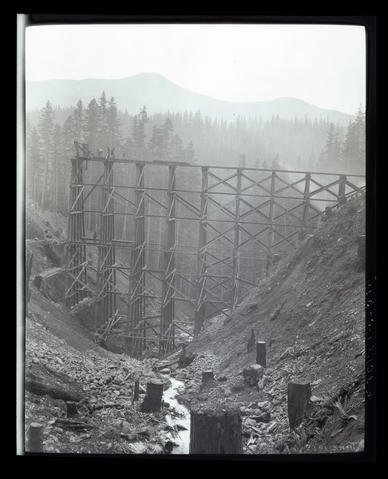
[342, 190]
[76, 251]
[167, 333]
[306, 196]
[271, 218]
[136, 293]
[106, 306]
[236, 243]
[200, 311]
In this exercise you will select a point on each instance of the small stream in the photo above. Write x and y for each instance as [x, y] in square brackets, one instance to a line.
[178, 417]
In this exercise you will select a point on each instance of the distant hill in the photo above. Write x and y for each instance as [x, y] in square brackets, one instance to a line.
[161, 95]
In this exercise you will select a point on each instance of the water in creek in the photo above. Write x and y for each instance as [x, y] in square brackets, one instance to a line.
[178, 419]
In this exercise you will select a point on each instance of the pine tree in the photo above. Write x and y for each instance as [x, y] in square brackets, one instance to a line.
[331, 154]
[156, 142]
[138, 134]
[68, 134]
[189, 152]
[79, 123]
[177, 152]
[359, 126]
[102, 123]
[46, 130]
[113, 125]
[354, 145]
[92, 125]
[34, 173]
[59, 174]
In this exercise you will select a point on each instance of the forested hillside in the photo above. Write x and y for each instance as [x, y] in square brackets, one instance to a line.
[189, 137]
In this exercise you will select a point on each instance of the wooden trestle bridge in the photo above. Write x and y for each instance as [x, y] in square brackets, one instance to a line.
[172, 239]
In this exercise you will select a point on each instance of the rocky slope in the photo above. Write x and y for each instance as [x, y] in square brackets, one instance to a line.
[310, 313]
[107, 420]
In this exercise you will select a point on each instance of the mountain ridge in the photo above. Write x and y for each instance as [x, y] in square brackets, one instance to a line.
[160, 95]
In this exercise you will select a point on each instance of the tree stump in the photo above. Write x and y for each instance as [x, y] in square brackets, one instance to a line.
[153, 398]
[71, 408]
[207, 377]
[35, 437]
[298, 397]
[261, 355]
[215, 431]
[207, 380]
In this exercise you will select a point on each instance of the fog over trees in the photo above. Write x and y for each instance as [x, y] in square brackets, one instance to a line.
[189, 136]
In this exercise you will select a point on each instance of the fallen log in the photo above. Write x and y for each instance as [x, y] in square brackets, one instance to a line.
[72, 424]
[42, 381]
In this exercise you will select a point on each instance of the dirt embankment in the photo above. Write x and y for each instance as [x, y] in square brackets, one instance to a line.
[310, 313]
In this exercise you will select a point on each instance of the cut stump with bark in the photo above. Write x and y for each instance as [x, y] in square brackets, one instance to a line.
[153, 398]
[298, 398]
[35, 437]
[71, 408]
[216, 431]
[207, 378]
[261, 353]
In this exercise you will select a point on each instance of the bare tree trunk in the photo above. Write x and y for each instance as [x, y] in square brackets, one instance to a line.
[43, 200]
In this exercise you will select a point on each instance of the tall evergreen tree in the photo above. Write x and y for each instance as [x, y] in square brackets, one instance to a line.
[331, 153]
[79, 122]
[59, 173]
[103, 123]
[34, 173]
[46, 130]
[189, 152]
[138, 133]
[92, 125]
[113, 125]
[354, 145]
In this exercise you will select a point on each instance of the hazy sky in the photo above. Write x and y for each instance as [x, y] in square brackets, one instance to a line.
[324, 65]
